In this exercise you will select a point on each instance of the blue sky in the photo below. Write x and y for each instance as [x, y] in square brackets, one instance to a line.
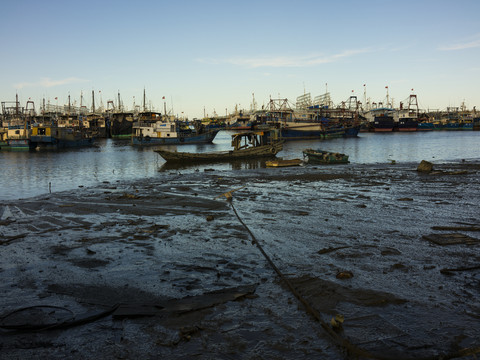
[214, 55]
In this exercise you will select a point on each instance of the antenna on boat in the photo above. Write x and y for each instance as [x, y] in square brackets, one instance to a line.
[16, 104]
[365, 95]
[144, 105]
[386, 87]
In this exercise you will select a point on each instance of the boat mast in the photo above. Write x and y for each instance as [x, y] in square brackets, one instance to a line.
[119, 103]
[93, 102]
[365, 96]
[144, 104]
[16, 104]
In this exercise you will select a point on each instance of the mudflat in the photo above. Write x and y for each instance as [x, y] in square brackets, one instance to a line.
[375, 261]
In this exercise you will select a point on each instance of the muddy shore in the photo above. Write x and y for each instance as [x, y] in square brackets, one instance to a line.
[164, 268]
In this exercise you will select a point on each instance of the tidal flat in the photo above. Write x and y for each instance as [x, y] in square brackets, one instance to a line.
[172, 267]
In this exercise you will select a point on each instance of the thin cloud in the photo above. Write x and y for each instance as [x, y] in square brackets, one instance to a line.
[284, 61]
[48, 83]
[463, 45]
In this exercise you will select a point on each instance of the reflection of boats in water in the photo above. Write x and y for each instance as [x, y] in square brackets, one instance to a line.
[206, 166]
[252, 144]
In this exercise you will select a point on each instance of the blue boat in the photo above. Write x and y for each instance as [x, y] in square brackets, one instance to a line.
[425, 126]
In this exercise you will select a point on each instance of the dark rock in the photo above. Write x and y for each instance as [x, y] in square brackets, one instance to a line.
[425, 166]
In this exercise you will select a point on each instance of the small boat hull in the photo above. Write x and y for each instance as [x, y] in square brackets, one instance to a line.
[283, 163]
[325, 157]
[261, 151]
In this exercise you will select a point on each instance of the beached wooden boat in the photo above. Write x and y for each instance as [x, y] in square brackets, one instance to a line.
[324, 157]
[283, 163]
[246, 145]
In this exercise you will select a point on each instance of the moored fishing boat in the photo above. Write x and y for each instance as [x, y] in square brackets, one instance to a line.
[120, 125]
[17, 138]
[476, 124]
[16, 121]
[408, 117]
[159, 132]
[48, 136]
[311, 122]
[324, 157]
[3, 138]
[246, 145]
[383, 120]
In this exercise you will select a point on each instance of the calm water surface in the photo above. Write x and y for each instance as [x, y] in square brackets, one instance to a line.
[26, 174]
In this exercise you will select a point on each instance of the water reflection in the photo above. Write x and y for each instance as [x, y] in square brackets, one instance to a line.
[239, 164]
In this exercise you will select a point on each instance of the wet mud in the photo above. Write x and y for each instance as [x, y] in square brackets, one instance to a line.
[386, 256]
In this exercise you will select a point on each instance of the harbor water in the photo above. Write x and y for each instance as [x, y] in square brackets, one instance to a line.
[28, 174]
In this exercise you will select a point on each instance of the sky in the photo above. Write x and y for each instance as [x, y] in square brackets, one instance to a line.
[207, 56]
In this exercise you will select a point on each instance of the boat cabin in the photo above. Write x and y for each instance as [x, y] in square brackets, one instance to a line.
[254, 138]
[158, 129]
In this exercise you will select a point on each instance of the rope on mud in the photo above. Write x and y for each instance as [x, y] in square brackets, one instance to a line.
[351, 348]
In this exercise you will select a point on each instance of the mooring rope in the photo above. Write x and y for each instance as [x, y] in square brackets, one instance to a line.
[352, 349]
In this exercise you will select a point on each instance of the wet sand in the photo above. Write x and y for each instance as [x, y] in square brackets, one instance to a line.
[163, 268]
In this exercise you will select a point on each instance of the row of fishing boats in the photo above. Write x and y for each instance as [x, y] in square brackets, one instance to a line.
[23, 130]
[374, 118]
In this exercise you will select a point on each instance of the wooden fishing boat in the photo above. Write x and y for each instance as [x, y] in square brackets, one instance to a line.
[246, 145]
[45, 136]
[324, 157]
[157, 131]
[283, 163]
